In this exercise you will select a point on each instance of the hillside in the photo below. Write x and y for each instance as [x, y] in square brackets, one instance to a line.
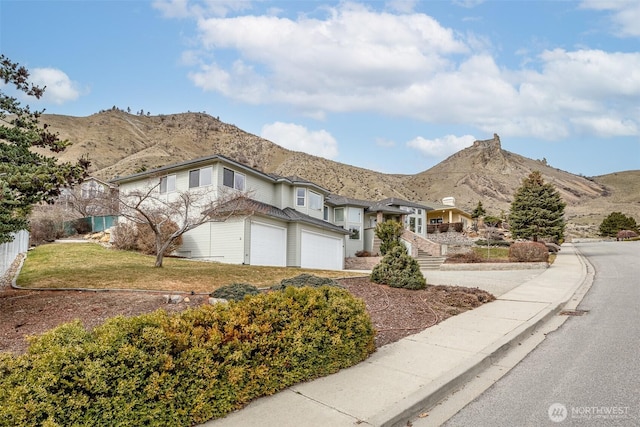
[118, 144]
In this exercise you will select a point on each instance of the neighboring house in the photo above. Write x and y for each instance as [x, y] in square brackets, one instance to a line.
[442, 216]
[282, 223]
[93, 197]
[361, 216]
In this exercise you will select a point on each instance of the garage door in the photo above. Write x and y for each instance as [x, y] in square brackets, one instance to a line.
[268, 245]
[322, 252]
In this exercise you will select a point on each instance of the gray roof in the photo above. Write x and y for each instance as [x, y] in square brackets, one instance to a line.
[394, 201]
[251, 206]
[217, 158]
[337, 200]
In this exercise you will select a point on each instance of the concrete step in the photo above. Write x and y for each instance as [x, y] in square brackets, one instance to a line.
[427, 262]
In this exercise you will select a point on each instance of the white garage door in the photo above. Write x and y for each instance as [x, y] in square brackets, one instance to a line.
[322, 252]
[268, 245]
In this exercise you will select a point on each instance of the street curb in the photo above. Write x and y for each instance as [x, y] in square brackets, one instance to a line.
[429, 396]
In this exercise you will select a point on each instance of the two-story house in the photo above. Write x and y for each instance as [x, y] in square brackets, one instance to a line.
[281, 224]
[420, 220]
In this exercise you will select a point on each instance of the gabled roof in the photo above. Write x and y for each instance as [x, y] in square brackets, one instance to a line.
[394, 201]
[248, 206]
[384, 208]
[389, 205]
[337, 200]
[207, 160]
[99, 181]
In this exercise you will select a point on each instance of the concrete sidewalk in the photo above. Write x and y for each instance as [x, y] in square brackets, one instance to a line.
[403, 378]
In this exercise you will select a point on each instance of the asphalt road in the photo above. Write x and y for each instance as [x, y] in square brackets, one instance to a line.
[586, 373]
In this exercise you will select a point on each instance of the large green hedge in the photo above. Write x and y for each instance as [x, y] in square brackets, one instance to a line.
[185, 368]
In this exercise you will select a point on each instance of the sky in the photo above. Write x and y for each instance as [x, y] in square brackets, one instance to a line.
[395, 86]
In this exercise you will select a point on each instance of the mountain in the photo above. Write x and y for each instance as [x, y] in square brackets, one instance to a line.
[118, 143]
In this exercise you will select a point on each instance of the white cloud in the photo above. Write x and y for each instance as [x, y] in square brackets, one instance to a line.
[624, 18]
[341, 63]
[355, 59]
[440, 148]
[299, 138]
[59, 87]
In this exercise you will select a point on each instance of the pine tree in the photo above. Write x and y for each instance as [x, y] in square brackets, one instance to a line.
[478, 211]
[27, 177]
[537, 210]
[615, 222]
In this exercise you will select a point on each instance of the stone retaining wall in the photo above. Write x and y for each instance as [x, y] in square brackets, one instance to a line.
[361, 263]
[488, 266]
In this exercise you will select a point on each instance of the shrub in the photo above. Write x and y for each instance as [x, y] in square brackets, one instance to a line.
[501, 243]
[389, 233]
[305, 279]
[398, 269]
[45, 230]
[529, 252]
[124, 236]
[184, 368]
[146, 238]
[464, 258]
[360, 254]
[626, 234]
[81, 225]
[235, 291]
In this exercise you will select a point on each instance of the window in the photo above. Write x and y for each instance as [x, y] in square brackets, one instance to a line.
[91, 189]
[232, 179]
[354, 232]
[167, 184]
[301, 196]
[200, 177]
[338, 214]
[315, 201]
[325, 214]
[419, 226]
[354, 214]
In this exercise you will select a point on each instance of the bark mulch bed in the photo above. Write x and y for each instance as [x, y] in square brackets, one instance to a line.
[395, 313]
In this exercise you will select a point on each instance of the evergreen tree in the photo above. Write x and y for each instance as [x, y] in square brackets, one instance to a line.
[537, 210]
[615, 222]
[389, 233]
[27, 177]
[478, 211]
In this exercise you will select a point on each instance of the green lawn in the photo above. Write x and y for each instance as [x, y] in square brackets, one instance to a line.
[493, 253]
[500, 254]
[92, 266]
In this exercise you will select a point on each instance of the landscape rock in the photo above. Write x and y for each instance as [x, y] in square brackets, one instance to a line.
[172, 299]
[214, 301]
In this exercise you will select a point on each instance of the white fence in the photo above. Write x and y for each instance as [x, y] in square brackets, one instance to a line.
[9, 251]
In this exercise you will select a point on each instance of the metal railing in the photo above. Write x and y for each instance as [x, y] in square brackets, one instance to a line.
[445, 227]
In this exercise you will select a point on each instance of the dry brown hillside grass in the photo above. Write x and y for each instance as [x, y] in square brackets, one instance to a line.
[119, 144]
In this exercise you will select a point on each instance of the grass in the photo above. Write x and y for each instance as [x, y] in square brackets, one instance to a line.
[493, 253]
[92, 266]
[499, 254]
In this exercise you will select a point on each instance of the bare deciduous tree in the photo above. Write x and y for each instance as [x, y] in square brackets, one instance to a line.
[187, 210]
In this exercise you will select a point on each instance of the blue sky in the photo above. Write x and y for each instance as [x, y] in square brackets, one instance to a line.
[392, 86]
